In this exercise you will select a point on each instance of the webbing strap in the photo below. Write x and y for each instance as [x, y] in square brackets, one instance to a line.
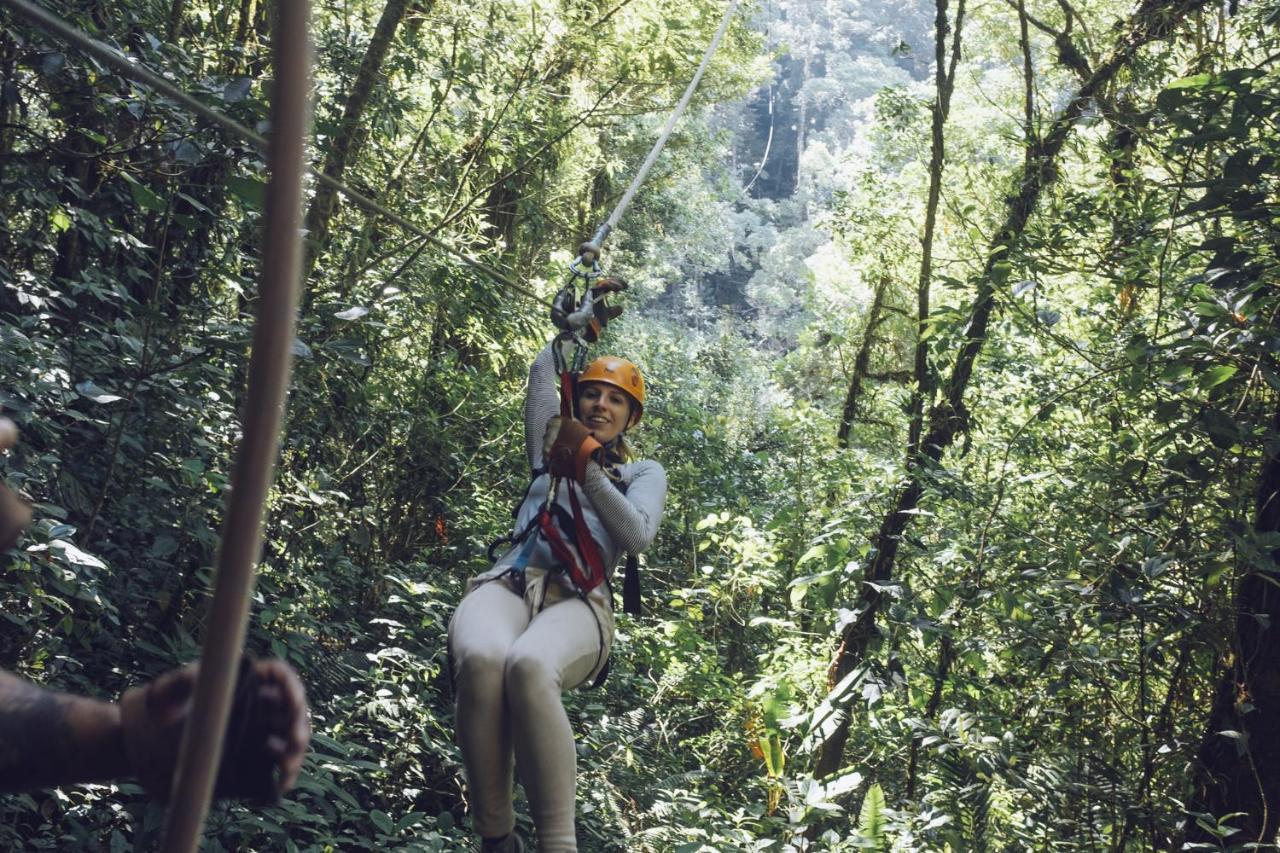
[522, 559]
[586, 544]
[553, 531]
[564, 553]
[631, 586]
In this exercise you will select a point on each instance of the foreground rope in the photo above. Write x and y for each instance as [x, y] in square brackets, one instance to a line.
[255, 464]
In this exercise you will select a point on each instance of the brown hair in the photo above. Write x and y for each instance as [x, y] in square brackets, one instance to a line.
[621, 449]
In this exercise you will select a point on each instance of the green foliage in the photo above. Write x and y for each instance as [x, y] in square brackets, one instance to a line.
[871, 819]
[1041, 666]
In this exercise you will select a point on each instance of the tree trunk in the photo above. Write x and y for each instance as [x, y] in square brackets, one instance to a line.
[1154, 19]
[946, 657]
[832, 752]
[862, 362]
[802, 122]
[944, 84]
[345, 143]
[176, 8]
[1238, 763]
[244, 20]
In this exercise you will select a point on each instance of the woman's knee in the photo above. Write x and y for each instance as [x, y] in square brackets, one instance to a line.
[479, 666]
[526, 674]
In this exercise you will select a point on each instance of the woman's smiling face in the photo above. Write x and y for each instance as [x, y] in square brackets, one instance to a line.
[606, 410]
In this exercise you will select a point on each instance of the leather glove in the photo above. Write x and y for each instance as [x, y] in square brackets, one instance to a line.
[608, 284]
[567, 447]
[14, 512]
[266, 736]
[602, 313]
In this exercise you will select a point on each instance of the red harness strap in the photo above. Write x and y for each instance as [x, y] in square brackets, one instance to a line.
[584, 578]
[566, 394]
[594, 575]
[590, 576]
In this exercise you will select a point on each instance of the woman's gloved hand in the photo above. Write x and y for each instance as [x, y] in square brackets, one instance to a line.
[602, 314]
[266, 737]
[567, 447]
[593, 313]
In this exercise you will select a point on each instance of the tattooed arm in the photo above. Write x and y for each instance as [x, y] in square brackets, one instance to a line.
[49, 738]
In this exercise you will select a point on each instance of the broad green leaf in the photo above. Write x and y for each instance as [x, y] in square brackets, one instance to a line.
[1215, 376]
[96, 394]
[819, 550]
[1195, 81]
[871, 816]
[382, 820]
[59, 220]
[142, 195]
[1000, 272]
[73, 555]
[251, 191]
[1222, 429]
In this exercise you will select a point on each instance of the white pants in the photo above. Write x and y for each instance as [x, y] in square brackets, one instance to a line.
[512, 658]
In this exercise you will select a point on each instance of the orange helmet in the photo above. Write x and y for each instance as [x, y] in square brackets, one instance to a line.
[621, 374]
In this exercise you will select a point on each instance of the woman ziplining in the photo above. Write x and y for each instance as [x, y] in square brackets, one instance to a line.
[540, 621]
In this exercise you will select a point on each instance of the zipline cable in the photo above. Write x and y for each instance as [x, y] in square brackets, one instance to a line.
[132, 70]
[764, 158]
[240, 544]
[602, 233]
[567, 312]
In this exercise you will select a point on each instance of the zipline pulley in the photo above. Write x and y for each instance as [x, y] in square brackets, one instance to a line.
[567, 314]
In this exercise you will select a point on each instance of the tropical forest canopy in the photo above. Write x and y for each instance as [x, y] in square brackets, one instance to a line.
[960, 323]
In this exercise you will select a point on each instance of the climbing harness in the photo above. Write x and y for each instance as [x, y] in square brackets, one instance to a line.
[585, 569]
